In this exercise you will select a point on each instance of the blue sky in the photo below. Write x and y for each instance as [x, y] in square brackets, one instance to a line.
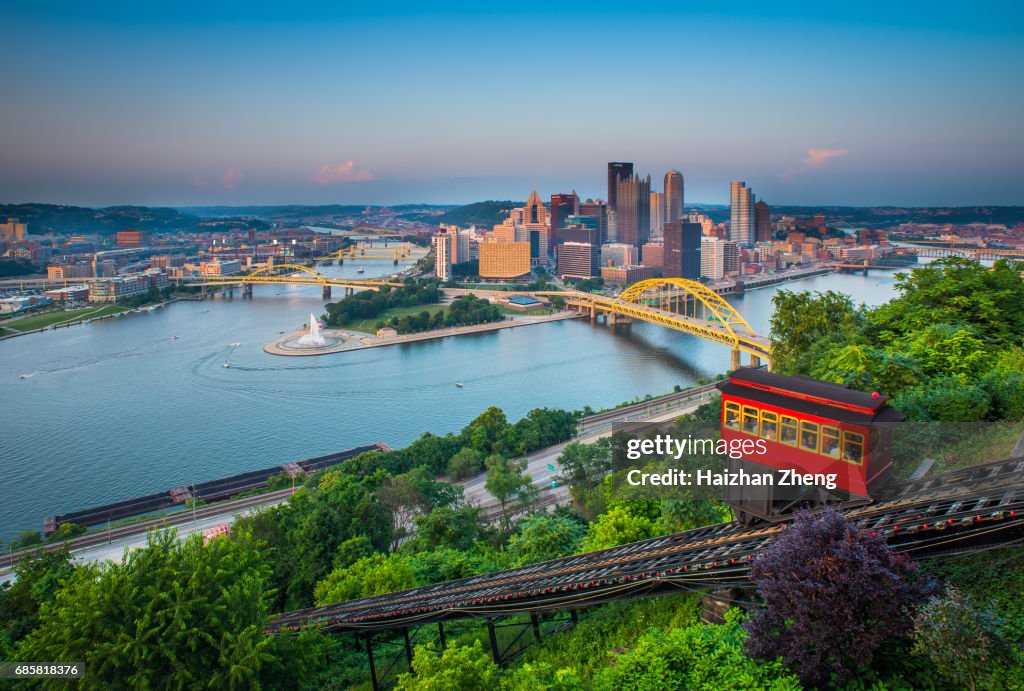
[242, 103]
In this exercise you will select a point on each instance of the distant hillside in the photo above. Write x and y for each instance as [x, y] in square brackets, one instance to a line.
[885, 216]
[65, 220]
[484, 214]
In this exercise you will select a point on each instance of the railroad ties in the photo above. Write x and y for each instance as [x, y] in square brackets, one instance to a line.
[964, 510]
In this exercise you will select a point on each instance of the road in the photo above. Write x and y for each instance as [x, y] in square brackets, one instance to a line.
[94, 546]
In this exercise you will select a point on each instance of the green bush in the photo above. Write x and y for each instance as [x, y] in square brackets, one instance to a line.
[462, 667]
[695, 657]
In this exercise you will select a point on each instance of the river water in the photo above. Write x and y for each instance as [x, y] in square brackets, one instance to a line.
[120, 407]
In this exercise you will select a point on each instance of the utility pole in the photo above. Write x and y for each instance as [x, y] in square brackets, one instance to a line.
[194, 498]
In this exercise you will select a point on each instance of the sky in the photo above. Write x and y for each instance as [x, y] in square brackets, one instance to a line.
[227, 103]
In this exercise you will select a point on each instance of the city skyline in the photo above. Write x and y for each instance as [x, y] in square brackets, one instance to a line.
[261, 104]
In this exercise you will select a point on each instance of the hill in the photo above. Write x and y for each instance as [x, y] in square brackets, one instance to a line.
[66, 220]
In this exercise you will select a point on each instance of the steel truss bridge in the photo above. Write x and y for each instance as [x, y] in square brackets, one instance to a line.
[288, 274]
[681, 305]
[396, 253]
[967, 510]
[988, 253]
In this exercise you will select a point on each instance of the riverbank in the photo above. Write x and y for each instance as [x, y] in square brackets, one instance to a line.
[356, 340]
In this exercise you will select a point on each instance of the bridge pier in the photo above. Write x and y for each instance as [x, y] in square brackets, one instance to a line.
[755, 361]
[327, 292]
[735, 362]
[247, 290]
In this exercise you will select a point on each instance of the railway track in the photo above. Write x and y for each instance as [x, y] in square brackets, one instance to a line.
[165, 521]
[963, 510]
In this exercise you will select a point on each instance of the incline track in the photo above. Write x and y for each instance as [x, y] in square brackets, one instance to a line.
[964, 510]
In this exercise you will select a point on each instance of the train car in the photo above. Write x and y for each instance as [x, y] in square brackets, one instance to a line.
[804, 430]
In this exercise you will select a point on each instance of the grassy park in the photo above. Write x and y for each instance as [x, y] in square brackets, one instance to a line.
[56, 317]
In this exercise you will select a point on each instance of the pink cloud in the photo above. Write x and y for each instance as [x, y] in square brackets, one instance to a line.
[816, 158]
[346, 172]
[231, 178]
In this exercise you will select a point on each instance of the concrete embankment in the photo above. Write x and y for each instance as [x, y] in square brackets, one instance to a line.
[355, 340]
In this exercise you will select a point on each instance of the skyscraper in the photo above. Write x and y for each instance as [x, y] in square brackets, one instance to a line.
[616, 172]
[534, 211]
[682, 258]
[562, 207]
[657, 212]
[741, 204]
[599, 210]
[673, 196]
[633, 210]
[443, 255]
[762, 222]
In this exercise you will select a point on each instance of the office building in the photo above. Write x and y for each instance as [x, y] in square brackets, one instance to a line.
[762, 222]
[657, 213]
[218, 268]
[633, 210]
[627, 275]
[110, 290]
[504, 259]
[653, 254]
[682, 258]
[617, 171]
[618, 254]
[598, 210]
[562, 207]
[718, 258]
[578, 260]
[443, 254]
[673, 196]
[12, 231]
[741, 203]
[130, 238]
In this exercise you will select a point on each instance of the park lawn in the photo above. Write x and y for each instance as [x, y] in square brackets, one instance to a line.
[370, 325]
[40, 321]
[539, 312]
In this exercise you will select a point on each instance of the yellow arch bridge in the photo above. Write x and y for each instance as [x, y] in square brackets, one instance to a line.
[288, 274]
[681, 305]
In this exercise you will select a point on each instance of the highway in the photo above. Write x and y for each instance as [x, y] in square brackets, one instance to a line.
[101, 545]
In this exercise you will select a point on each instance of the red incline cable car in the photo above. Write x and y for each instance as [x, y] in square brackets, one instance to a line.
[808, 429]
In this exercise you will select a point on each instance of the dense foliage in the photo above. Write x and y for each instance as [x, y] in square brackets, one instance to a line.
[832, 595]
[465, 310]
[367, 304]
[171, 615]
[17, 267]
[949, 348]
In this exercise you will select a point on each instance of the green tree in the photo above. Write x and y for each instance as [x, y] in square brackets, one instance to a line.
[37, 579]
[468, 461]
[508, 480]
[963, 643]
[584, 468]
[403, 501]
[484, 432]
[373, 575]
[171, 615]
[617, 527]
[545, 536]
[463, 667]
[802, 320]
[445, 526]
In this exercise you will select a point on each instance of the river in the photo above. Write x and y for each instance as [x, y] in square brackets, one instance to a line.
[120, 407]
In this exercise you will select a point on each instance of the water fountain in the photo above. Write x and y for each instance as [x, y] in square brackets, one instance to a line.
[313, 338]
